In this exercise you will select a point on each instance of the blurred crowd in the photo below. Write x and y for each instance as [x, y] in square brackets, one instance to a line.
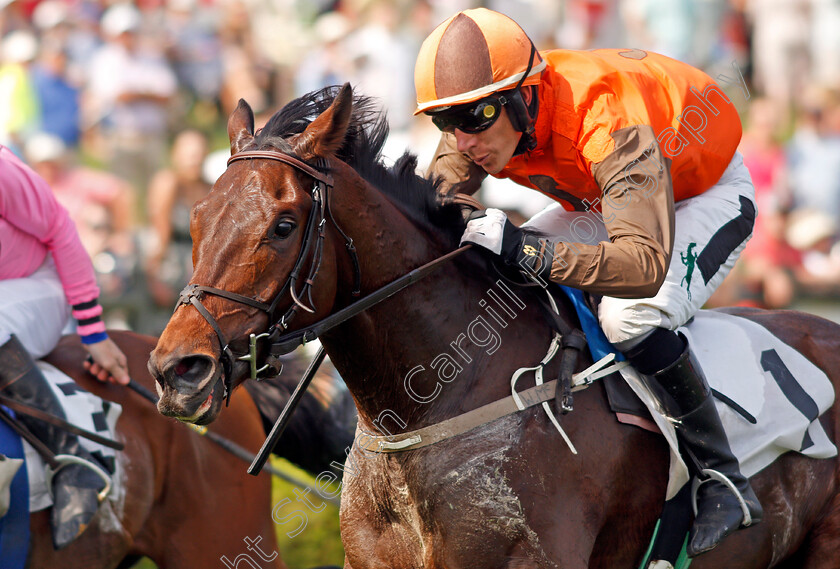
[122, 108]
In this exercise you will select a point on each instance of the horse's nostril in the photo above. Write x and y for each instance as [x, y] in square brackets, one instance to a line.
[189, 371]
[183, 367]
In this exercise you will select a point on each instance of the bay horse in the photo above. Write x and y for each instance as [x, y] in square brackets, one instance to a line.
[185, 501]
[507, 494]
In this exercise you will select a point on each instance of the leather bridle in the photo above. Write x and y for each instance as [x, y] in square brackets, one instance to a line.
[311, 250]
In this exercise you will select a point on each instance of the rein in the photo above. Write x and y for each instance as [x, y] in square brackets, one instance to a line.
[288, 342]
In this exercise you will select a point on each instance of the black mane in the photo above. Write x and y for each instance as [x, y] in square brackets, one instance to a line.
[362, 151]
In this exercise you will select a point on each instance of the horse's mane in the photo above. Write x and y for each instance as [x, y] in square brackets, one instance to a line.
[362, 151]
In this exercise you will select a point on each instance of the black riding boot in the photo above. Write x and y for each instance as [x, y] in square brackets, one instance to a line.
[686, 398]
[75, 486]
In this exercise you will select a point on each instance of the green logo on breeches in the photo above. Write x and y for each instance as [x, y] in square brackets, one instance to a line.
[689, 259]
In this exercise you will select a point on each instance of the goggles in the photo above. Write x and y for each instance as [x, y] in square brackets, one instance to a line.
[470, 118]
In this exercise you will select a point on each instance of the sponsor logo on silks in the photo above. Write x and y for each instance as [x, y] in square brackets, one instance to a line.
[689, 259]
[530, 250]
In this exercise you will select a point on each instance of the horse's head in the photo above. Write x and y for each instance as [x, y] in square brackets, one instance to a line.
[258, 245]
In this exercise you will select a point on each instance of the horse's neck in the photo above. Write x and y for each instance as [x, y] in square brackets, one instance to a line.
[447, 344]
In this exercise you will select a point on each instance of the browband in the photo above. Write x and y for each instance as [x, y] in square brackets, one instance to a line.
[285, 158]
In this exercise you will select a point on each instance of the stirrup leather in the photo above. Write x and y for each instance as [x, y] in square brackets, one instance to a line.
[714, 475]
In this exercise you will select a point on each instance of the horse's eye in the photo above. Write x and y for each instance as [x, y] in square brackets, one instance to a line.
[283, 229]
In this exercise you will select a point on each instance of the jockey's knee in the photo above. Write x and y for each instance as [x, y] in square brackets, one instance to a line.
[624, 324]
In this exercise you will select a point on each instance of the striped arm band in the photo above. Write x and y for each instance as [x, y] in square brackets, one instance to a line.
[91, 327]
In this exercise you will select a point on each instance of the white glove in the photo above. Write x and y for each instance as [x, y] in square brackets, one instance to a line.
[487, 230]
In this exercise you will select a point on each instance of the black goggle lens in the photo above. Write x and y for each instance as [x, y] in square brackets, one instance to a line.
[470, 118]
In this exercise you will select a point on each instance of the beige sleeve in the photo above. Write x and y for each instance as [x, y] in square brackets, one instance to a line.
[637, 204]
[459, 173]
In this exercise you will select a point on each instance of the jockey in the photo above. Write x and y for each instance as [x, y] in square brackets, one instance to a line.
[45, 274]
[641, 151]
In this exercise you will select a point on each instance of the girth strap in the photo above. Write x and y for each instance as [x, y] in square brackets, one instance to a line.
[477, 417]
[457, 425]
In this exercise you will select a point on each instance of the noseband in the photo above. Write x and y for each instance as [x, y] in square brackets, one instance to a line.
[311, 250]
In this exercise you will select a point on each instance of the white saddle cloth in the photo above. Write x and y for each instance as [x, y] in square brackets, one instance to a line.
[771, 381]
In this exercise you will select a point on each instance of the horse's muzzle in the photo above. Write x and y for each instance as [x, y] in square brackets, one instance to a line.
[190, 387]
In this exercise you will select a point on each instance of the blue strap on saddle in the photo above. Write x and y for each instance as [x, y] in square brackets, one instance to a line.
[14, 526]
[598, 344]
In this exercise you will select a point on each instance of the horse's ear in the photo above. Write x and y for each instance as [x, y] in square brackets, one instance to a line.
[240, 126]
[326, 133]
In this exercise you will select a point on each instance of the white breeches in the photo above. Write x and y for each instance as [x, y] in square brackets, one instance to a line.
[34, 309]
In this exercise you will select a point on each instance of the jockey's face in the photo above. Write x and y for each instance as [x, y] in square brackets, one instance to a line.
[492, 148]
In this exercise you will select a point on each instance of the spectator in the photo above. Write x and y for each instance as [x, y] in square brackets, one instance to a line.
[13, 16]
[244, 72]
[18, 101]
[767, 261]
[815, 234]
[663, 26]
[780, 47]
[172, 193]
[58, 98]
[586, 24]
[79, 189]
[382, 60]
[814, 156]
[825, 42]
[194, 48]
[129, 89]
[326, 62]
